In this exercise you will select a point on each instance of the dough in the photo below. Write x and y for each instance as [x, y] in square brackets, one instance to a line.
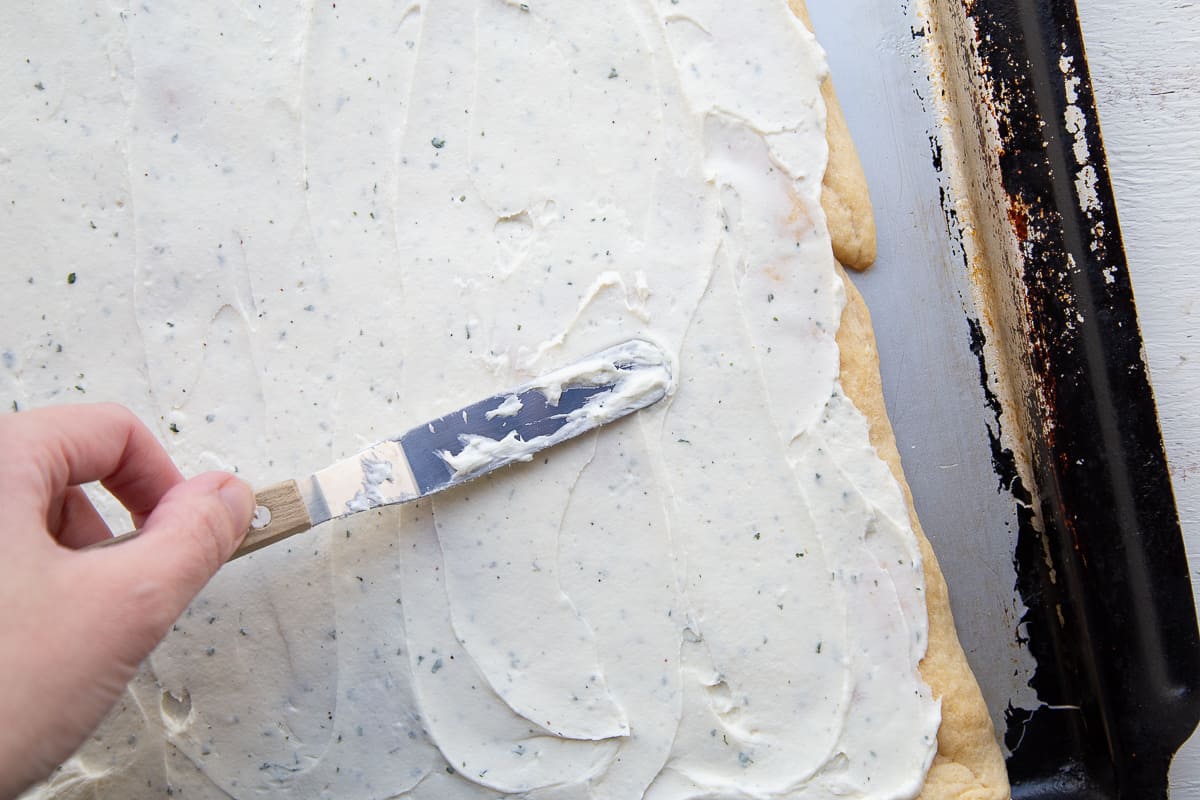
[845, 197]
[328, 665]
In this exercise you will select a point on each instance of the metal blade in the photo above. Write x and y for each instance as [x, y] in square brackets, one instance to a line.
[508, 427]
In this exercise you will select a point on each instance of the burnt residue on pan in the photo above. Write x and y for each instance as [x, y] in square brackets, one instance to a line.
[1099, 556]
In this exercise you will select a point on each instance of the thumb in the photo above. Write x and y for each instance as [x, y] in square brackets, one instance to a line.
[192, 531]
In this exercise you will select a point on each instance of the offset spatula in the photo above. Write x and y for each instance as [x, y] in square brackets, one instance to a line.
[464, 444]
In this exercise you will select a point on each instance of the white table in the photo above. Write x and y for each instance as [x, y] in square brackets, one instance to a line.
[1147, 82]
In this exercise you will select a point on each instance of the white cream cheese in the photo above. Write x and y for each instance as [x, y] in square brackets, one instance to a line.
[508, 408]
[375, 472]
[294, 229]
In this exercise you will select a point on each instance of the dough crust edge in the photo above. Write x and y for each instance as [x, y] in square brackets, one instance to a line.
[968, 763]
[845, 197]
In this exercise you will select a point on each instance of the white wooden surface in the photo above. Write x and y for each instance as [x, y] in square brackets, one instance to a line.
[1146, 76]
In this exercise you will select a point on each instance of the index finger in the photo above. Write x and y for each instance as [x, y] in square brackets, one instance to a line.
[71, 445]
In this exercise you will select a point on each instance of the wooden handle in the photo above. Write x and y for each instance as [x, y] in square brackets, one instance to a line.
[279, 512]
[285, 514]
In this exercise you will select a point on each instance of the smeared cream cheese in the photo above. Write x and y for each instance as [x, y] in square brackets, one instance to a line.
[508, 408]
[292, 230]
[375, 472]
[479, 451]
[633, 375]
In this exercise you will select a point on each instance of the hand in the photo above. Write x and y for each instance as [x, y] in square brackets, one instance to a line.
[75, 625]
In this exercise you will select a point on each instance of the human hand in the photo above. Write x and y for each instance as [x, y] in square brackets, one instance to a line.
[74, 626]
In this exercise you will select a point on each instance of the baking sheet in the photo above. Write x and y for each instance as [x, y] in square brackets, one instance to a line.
[1037, 462]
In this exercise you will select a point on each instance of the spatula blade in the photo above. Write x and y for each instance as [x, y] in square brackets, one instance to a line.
[484, 436]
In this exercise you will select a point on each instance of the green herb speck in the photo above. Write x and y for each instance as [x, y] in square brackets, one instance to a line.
[70, 277]
[438, 142]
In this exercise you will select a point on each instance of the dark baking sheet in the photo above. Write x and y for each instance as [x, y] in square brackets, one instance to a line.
[1014, 377]
[1099, 555]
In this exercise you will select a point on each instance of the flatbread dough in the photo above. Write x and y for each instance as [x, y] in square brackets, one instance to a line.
[968, 763]
[845, 197]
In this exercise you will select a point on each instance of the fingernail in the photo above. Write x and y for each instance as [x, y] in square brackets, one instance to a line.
[238, 498]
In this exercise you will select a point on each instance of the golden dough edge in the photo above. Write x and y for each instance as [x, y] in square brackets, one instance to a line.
[968, 764]
[845, 197]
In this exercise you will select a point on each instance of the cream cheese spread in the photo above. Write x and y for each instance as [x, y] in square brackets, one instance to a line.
[281, 231]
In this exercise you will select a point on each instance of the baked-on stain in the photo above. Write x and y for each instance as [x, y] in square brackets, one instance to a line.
[1100, 564]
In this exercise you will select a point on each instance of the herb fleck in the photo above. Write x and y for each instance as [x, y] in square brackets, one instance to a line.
[438, 142]
[70, 277]
[174, 428]
[612, 73]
